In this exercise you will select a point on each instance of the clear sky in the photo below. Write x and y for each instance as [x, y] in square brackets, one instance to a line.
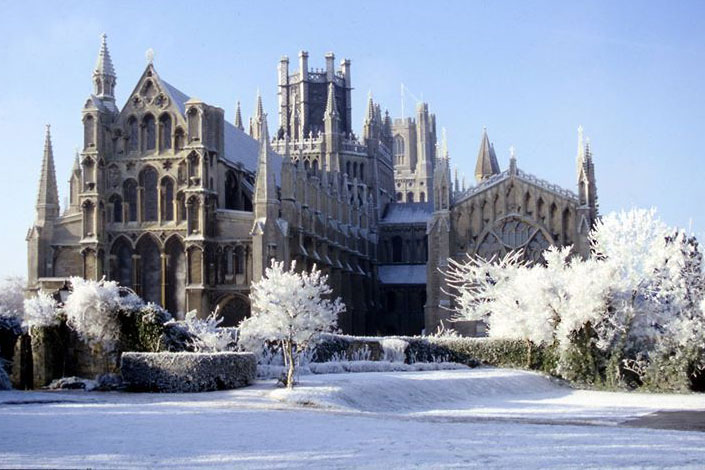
[631, 72]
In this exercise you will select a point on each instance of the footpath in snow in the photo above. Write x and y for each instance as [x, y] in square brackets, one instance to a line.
[468, 418]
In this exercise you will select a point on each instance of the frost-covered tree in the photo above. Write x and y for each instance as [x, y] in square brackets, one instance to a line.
[92, 310]
[656, 287]
[291, 310]
[206, 334]
[12, 303]
[639, 297]
[40, 311]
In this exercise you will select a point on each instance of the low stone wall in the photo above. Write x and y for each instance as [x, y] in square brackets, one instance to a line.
[187, 372]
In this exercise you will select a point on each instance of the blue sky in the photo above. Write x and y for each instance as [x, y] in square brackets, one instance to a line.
[632, 73]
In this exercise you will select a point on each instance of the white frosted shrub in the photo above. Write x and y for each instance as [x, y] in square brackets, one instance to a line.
[40, 311]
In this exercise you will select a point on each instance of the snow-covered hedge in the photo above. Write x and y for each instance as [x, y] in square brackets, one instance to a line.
[187, 372]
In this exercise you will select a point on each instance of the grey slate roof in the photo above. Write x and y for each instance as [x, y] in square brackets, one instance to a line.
[402, 274]
[407, 213]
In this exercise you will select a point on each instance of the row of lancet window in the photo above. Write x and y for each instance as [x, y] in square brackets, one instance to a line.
[151, 200]
[149, 134]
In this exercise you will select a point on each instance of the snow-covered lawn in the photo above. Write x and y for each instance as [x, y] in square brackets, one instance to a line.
[484, 418]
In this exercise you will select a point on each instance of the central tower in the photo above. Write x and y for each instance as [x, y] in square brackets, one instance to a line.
[303, 96]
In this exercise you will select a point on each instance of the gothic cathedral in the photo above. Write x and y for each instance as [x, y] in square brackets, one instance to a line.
[187, 209]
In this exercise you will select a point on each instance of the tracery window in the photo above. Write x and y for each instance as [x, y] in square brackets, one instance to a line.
[513, 234]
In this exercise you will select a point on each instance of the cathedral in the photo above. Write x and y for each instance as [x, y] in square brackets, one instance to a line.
[187, 209]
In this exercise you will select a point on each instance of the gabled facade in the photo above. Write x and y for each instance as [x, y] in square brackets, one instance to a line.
[506, 211]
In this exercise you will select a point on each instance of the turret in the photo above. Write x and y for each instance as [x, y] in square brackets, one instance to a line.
[486, 165]
[104, 77]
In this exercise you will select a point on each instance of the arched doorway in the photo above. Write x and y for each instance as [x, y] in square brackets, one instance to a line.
[233, 309]
[122, 267]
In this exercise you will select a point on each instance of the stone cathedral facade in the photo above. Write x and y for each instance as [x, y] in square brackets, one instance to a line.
[187, 209]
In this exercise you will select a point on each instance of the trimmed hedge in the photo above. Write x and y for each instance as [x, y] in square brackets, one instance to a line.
[187, 372]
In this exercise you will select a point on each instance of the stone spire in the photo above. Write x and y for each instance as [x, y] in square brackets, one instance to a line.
[331, 106]
[104, 73]
[48, 196]
[265, 184]
[370, 114]
[486, 165]
[238, 117]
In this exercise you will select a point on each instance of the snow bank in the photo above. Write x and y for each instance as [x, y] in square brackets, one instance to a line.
[187, 372]
[415, 391]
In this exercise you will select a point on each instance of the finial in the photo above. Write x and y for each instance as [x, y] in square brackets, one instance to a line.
[149, 55]
[48, 127]
[512, 153]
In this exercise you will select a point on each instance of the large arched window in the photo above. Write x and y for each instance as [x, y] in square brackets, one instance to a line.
[164, 132]
[148, 182]
[132, 134]
[149, 136]
[400, 197]
[129, 194]
[422, 197]
[409, 197]
[167, 198]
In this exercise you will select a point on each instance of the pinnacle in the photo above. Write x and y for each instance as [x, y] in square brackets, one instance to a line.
[331, 107]
[104, 64]
[259, 109]
[238, 117]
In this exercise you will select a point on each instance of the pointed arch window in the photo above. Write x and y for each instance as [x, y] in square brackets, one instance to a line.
[167, 199]
[149, 136]
[129, 194]
[165, 132]
[148, 183]
[132, 134]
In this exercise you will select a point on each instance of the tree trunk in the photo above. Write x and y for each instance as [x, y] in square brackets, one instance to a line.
[290, 360]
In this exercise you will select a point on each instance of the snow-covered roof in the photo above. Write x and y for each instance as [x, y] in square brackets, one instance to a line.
[402, 274]
[407, 213]
[177, 96]
[240, 147]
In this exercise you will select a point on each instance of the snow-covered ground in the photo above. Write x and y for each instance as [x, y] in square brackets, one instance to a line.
[484, 418]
